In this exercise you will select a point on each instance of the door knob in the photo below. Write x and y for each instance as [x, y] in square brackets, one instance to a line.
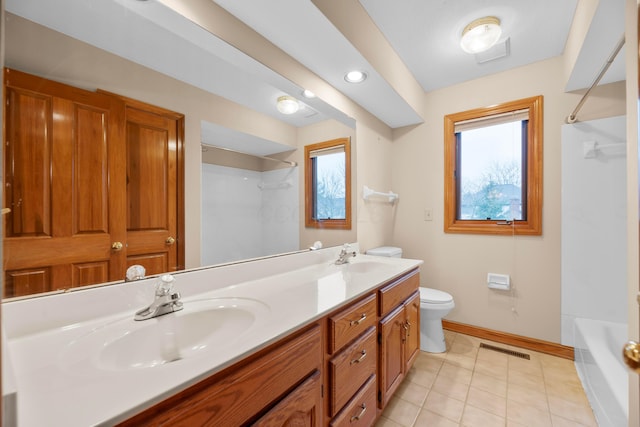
[170, 240]
[116, 246]
[631, 355]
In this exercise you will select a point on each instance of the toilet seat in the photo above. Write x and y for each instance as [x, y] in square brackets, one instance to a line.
[434, 296]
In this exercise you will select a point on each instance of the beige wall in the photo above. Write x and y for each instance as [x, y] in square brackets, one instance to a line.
[459, 263]
[375, 217]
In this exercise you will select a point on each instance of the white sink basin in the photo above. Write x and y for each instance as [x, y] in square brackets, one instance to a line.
[365, 267]
[197, 329]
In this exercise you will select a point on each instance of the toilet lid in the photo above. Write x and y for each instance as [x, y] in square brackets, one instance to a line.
[434, 296]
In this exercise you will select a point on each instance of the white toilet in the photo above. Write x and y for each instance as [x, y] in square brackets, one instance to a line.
[434, 305]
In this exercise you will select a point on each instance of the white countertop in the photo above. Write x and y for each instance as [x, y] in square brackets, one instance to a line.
[58, 385]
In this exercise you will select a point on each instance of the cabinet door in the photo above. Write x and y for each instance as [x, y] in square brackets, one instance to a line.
[412, 329]
[300, 408]
[392, 359]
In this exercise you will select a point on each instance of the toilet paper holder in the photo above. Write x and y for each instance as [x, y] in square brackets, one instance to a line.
[499, 281]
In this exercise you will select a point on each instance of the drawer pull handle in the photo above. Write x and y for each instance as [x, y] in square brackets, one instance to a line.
[358, 360]
[357, 322]
[361, 414]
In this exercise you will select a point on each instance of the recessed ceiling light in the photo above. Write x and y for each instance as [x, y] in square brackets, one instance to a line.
[287, 104]
[308, 94]
[480, 34]
[355, 76]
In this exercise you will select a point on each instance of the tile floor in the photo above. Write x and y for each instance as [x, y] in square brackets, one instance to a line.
[477, 387]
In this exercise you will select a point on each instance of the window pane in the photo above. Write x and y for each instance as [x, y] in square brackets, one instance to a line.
[490, 172]
[330, 187]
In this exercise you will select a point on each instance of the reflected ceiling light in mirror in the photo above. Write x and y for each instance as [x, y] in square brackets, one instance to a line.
[308, 94]
[287, 104]
[355, 76]
[480, 34]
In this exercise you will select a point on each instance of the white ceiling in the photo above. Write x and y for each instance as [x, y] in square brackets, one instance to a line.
[423, 33]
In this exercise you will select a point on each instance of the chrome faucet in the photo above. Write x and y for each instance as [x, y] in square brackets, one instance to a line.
[166, 300]
[345, 254]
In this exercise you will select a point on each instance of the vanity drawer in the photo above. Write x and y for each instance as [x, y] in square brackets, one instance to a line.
[348, 324]
[361, 410]
[350, 368]
[397, 291]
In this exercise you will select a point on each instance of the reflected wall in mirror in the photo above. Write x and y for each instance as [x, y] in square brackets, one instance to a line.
[144, 51]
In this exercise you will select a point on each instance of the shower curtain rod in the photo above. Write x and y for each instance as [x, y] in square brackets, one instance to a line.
[291, 164]
[571, 118]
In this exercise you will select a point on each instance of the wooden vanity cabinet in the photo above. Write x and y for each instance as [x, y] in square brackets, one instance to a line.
[338, 372]
[278, 386]
[399, 333]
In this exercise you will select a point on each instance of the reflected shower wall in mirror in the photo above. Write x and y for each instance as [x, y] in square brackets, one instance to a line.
[250, 204]
[39, 50]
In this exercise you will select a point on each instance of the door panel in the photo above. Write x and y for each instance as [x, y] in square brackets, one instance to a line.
[27, 162]
[90, 273]
[152, 263]
[25, 282]
[152, 181]
[65, 183]
[91, 169]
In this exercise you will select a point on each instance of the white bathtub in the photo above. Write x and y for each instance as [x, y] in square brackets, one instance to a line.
[598, 359]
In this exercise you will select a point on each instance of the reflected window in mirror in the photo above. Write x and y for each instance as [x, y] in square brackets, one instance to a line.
[328, 184]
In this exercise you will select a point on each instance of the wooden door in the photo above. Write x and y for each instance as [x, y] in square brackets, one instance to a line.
[412, 343]
[63, 149]
[154, 188]
[392, 360]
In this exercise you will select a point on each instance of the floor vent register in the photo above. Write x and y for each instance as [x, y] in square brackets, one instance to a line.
[506, 351]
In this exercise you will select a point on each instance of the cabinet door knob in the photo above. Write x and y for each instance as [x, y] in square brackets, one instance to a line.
[363, 354]
[360, 320]
[170, 241]
[117, 246]
[363, 408]
[407, 327]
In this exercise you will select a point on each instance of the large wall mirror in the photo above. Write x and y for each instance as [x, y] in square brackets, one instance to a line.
[172, 85]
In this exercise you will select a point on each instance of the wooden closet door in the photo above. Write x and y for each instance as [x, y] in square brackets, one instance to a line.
[65, 185]
[153, 149]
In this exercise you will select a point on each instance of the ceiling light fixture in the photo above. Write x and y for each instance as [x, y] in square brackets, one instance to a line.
[480, 34]
[355, 76]
[287, 104]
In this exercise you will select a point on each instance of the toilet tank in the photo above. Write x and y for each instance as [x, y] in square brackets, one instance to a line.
[388, 251]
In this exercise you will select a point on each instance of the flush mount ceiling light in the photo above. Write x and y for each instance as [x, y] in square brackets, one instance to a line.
[480, 34]
[287, 104]
[355, 76]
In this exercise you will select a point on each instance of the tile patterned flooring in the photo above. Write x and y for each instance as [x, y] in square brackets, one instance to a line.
[478, 387]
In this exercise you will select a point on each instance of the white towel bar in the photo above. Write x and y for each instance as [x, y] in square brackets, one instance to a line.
[368, 192]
